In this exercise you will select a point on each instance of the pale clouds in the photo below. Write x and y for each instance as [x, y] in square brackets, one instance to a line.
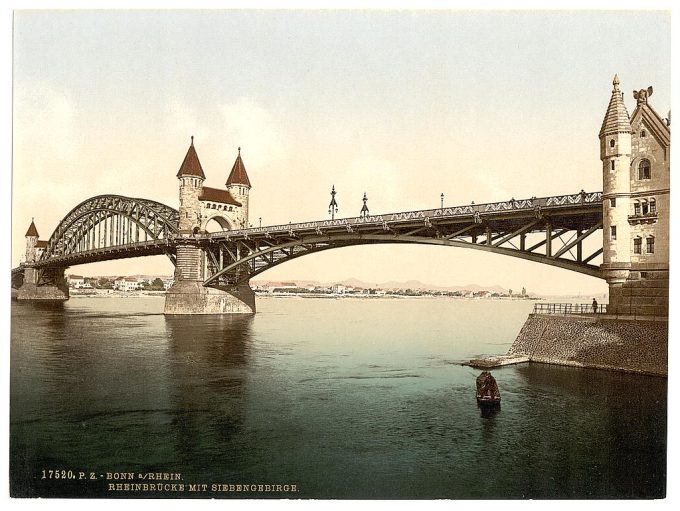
[383, 180]
[44, 127]
[45, 145]
[182, 121]
[247, 124]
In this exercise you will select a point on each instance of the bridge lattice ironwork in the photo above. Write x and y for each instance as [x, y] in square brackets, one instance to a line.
[551, 230]
[111, 227]
[563, 231]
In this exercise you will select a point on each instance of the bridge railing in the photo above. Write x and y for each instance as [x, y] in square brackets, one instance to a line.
[533, 203]
[569, 308]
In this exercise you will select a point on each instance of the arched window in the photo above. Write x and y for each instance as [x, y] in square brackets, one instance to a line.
[612, 143]
[643, 134]
[636, 206]
[645, 207]
[637, 245]
[644, 169]
[650, 244]
[652, 206]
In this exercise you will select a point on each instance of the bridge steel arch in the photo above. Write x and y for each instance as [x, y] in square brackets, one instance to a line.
[111, 227]
[552, 230]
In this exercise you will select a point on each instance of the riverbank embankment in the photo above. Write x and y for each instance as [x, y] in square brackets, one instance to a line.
[637, 346]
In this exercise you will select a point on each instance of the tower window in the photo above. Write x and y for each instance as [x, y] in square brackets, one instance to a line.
[613, 165]
[643, 134]
[645, 207]
[650, 245]
[612, 202]
[613, 232]
[637, 246]
[612, 143]
[636, 208]
[652, 206]
[644, 169]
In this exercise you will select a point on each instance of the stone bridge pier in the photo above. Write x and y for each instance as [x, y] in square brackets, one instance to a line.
[43, 285]
[188, 295]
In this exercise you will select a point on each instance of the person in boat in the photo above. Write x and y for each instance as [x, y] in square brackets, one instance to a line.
[487, 388]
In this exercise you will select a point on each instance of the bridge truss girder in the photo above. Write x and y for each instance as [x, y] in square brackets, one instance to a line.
[558, 240]
[111, 227]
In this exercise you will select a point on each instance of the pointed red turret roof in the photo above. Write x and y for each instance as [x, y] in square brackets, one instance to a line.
[32, 231]
[238, 174]
[616, 120]
[191, 166]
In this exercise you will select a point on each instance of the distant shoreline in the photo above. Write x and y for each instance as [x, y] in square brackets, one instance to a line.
[150, 294]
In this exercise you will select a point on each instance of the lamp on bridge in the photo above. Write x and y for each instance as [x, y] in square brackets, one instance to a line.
[442, 200]
[364, 208]
[333, 206]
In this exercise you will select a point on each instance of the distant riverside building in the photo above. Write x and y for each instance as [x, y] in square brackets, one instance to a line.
[282, 285]
[131, 284]
[75, 280]
[338, 289]
[126, 284]
[635, 154]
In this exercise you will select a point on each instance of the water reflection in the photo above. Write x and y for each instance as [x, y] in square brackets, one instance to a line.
[489, 411]
[628, 457]
[209, 373]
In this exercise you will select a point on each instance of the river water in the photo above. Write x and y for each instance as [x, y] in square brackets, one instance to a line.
[335, 398]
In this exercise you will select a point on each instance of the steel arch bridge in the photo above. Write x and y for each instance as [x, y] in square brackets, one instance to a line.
[562, 231]
[111, 227]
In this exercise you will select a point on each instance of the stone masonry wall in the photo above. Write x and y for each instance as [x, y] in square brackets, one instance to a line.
[634, 346]
[636, 296]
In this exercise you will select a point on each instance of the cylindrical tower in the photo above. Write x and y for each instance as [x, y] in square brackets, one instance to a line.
[191, 179]
[31, 242]
[615, 153]
[239, 186]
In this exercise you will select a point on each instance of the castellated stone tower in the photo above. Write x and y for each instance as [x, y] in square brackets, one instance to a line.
[615, 152]
[31, 243]
[239, 186]
[191, 179]
[635, 154]
[47, 284]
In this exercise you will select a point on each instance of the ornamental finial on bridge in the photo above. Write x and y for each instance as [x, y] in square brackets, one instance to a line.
[333, 206]
[616, 82]
[192, 140]
[364, 209]
[239, 151]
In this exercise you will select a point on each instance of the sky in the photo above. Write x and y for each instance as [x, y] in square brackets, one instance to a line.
[402, 105]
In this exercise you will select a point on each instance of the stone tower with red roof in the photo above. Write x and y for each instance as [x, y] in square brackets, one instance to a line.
[31, 242]
[635, 154]
[191, 179]
[198, 206]
[239, 186]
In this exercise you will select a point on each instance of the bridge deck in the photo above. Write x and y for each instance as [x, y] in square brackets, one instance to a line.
[235, 256]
